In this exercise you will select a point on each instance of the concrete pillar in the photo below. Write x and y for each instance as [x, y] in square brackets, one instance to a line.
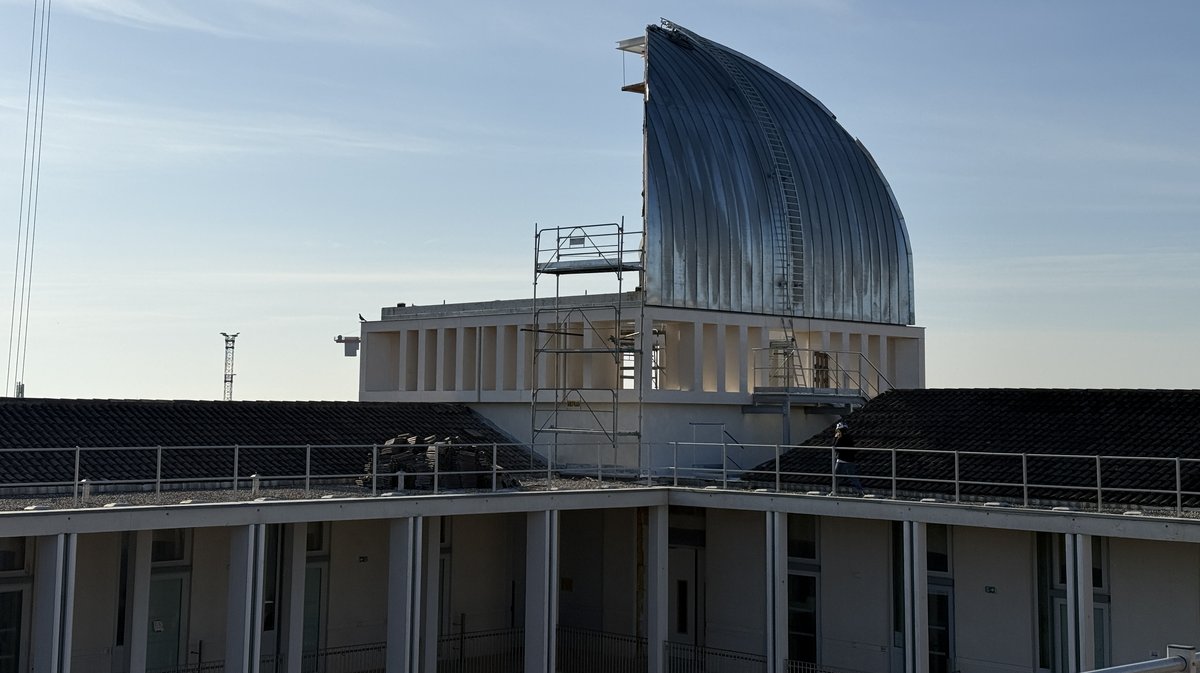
[656, 587]
[1081, 627]
[541, 590]
[53, 603]
[294, 562]
[745, 361]
[138, 631]
[404, 595]
[916, 599]
[777, 591]
[431, 574]
[423, 359]
[243, 612]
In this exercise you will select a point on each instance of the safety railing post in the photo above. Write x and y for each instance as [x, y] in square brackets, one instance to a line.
[493, 466]
[724, 464]
[158, 471]
[833, 471]
[894, 490]
[675, 462]
[957, 488]
[235, 466]
[1025, 478]
[1099, 488]
[436, 466]
[374, 469]
[549, 465]
[75, 484]
[599, 470]
[777, 468]
[1178, 490]
[307, 468]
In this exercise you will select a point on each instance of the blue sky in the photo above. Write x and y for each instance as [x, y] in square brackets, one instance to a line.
[275, 167]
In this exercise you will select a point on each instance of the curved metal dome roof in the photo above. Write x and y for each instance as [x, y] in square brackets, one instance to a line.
[756, 199]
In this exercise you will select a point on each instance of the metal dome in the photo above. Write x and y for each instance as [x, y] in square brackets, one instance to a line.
[756, 199]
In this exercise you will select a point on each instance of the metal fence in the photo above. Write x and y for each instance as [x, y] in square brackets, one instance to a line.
[1146, 484]
[493, 651]
[791, 666]
[590, 651]
[684, 658]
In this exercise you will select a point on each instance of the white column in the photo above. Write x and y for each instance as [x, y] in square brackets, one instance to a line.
[139, 609]
[53, 603]
[422, 358]
[777, 597]
[745, 362]
[697, 364]
[916, 599]
[719, 348]
[404, 595]
[430, 622]
[656, 587]
[291, 617]
[243, 620]
[1084, 604]
[541, 590]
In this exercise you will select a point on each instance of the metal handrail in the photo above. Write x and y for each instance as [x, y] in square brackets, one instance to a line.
[1098, 481]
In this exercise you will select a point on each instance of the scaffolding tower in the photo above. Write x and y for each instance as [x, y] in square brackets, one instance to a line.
[229, 339]
[587, 350]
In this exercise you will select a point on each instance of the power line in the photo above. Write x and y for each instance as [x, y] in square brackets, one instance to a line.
[31, 171]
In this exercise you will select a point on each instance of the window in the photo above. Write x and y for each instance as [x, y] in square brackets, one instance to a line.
[802, 536]
[169, 546]
[12, 554]
[804, 573]
[1052, 601]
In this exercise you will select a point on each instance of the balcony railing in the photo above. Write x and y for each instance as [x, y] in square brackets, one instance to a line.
[590, 651]
[88, 477]
[493, 651]
[684, 658]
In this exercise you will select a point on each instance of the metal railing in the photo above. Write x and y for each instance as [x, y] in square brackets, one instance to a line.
[492, 651]
[791, 666]
[589, 651]
[787, 366]
[1127, 484]
[684, 658]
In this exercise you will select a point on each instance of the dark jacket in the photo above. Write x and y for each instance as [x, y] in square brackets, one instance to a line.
[842, 446]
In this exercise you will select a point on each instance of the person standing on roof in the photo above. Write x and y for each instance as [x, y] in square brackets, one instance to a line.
[845, 456]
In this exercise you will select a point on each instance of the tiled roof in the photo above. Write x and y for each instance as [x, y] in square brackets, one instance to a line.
[262, 430]
[929, 425]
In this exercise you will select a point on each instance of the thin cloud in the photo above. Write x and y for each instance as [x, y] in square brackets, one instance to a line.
[91, 132]
[301, 20]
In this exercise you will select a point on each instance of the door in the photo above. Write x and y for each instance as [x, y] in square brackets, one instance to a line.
[684, 615]
[164, 644]
[1100, 618]
[12, 613]
[802, 617]
[941, 630]
[314, 581]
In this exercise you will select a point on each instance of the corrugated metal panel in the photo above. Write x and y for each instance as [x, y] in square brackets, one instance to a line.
[757, 200]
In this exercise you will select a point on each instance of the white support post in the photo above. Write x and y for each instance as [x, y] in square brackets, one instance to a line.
[291, 617]
[916, 599]
[697, 363]
[423, 346]
[1085, 602]
[53, 603]
[777, 587]
[404, 595]
[138, 631]
[431, 557]
[656, 587]
[745, 361]
[243, 625]
[1069, 563]
[541, 590]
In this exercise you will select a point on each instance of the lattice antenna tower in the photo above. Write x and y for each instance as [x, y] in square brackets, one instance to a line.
[229, 339]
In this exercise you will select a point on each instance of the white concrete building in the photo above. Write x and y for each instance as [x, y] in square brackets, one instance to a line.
[654, 514]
